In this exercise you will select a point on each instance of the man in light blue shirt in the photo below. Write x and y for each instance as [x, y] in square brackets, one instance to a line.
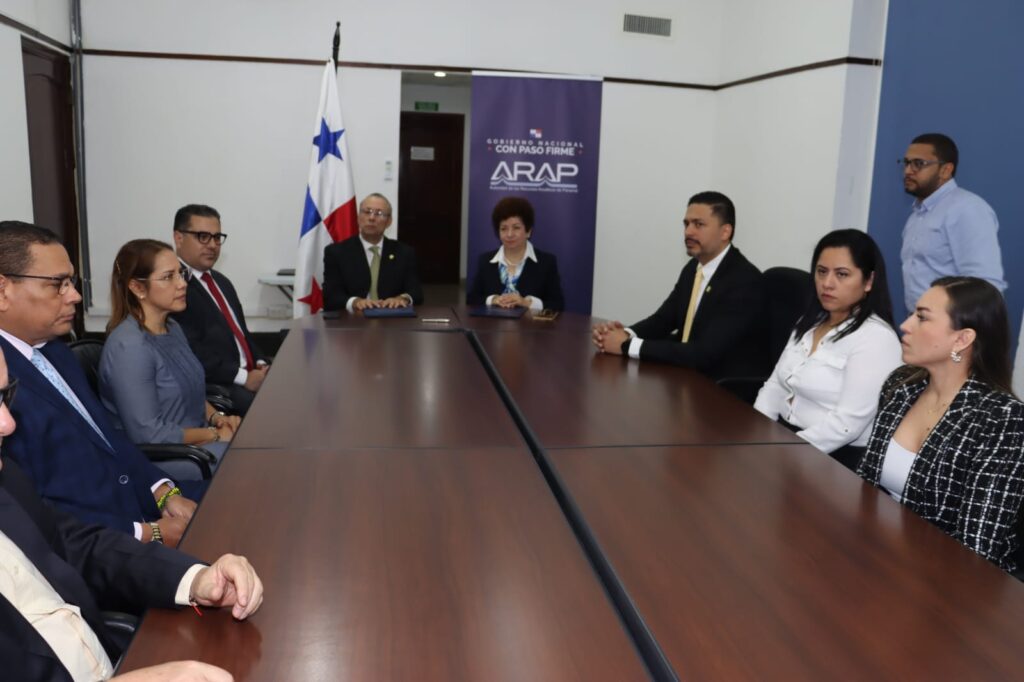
[950, 231]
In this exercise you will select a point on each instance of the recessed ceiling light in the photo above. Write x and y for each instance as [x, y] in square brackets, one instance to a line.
[440, 74]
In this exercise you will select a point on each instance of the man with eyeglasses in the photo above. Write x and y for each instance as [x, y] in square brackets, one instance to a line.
[55, 571]
[369, 270]
[213, 321]
[950, 231]
[67, 444]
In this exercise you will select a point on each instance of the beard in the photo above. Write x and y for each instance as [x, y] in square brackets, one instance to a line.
[922, 190]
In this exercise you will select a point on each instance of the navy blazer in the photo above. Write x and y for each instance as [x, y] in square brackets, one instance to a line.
[208, 332]
[347, 272]
[88, 566]
[539, 279]
[67, 460]
[728, 334]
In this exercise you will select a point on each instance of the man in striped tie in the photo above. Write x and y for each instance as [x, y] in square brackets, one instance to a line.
[66, 442]
[213, 321]
[713, 320]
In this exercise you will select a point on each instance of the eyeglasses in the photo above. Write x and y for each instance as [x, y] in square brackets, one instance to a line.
[183, 273]
[376, 212]
[917, 164]
[7, 392]
[205, 237]
[63, 283]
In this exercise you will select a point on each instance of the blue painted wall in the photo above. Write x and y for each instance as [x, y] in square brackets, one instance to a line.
[955, 67]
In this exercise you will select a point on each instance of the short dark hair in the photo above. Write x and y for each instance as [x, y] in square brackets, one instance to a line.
[512, 207]
[721, 206]
[944, 147]
[183, 217]
[16, 240]
[868, 259]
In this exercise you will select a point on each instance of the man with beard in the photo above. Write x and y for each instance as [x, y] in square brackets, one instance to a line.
[950, 231]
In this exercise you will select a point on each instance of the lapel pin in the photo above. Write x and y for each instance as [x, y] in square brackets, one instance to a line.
[708, 290]
[391, 256]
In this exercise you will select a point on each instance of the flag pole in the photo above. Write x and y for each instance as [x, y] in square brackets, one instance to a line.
[337, 43]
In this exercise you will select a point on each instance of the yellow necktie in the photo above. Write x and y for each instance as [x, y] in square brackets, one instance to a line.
[691, 310]
[374, 272]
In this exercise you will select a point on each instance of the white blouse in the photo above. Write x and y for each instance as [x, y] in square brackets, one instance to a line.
[832, 394]
[896, 466]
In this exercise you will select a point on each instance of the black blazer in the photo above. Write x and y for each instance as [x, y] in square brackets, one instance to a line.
[539, 279]
[208, 332]
[728, 334]
[347, 273]
[968, 477]
[89, 566]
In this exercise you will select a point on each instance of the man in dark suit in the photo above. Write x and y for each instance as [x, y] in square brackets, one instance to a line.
[369, 270]
[51, 562]
[67, 445]
[713, 319]
[213, 321]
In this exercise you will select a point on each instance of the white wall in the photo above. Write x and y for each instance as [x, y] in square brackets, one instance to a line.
[794, 152]
[51, 18]
[450, 100]
[15, 173]
[164, 133]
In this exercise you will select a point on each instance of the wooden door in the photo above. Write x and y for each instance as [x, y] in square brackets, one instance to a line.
[430, 192]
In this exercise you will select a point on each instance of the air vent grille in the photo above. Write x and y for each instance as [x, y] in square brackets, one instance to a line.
[652, 26]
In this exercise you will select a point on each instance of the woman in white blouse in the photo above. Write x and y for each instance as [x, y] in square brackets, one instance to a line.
[826, 383]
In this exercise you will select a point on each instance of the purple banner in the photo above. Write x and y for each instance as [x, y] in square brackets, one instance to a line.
[538, 138]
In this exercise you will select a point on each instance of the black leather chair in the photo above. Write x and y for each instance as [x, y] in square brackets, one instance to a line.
[787, 291]
[88, 352]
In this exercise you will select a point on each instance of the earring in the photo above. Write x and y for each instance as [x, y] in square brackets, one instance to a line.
[956, 356]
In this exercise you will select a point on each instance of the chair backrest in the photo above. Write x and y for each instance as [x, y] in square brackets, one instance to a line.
[88, 352]
[788, 291]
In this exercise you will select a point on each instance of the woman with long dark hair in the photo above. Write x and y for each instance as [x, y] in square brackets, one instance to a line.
[948, 441]
[825, 385]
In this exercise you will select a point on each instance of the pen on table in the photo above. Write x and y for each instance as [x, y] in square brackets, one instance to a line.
[436, 320]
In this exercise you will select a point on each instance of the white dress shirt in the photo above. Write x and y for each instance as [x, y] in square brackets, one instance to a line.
[499, 257]
[707, 271]
[832, 394]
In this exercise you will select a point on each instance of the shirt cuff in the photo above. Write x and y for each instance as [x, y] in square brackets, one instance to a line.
[634, 348]
[407, 297]
[185, 586]
[138, 531]
[159, 483]
[536, 303]
[241, 376]
[490, 299]
[348, 304]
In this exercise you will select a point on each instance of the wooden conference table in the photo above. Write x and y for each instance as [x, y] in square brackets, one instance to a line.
[485, 499]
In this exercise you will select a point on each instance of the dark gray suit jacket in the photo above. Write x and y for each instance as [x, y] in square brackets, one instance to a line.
[347, 273]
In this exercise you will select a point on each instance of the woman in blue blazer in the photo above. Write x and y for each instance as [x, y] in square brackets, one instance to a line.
[517, 274]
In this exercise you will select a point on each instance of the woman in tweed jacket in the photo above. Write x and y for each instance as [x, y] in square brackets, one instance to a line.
[948, 440]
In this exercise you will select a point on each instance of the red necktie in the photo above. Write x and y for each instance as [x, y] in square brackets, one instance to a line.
[222, 304]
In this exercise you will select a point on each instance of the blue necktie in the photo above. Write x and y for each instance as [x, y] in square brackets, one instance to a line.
[47, 370]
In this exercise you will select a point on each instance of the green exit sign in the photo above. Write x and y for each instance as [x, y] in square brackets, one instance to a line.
[426, 106]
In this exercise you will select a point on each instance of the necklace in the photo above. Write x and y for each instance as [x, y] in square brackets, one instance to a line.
[940, 409]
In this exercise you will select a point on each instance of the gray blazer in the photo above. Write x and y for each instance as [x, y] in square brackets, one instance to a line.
[153, 386]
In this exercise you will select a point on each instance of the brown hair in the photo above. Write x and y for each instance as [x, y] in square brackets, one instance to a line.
[135, 260]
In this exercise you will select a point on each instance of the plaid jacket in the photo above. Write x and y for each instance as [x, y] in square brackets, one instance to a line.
[968, 478]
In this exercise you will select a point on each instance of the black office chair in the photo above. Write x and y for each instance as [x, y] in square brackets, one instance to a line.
[88, 352]
[787, 291]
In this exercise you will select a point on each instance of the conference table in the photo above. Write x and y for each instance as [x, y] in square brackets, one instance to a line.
[471, 498]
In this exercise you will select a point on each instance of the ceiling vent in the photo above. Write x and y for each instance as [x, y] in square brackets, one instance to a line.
[652, 26]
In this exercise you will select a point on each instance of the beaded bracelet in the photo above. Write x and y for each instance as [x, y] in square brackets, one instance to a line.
[163, 499]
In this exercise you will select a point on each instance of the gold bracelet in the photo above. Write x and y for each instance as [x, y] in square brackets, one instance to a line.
[157, 535]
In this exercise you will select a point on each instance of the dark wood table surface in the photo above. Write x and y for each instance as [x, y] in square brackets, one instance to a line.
[376, 387]
[573, 396]
[563, 324]
[774, 562]
[393, 564]
[428, 318]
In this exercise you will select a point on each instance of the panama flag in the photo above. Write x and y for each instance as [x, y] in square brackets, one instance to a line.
[330, 212]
